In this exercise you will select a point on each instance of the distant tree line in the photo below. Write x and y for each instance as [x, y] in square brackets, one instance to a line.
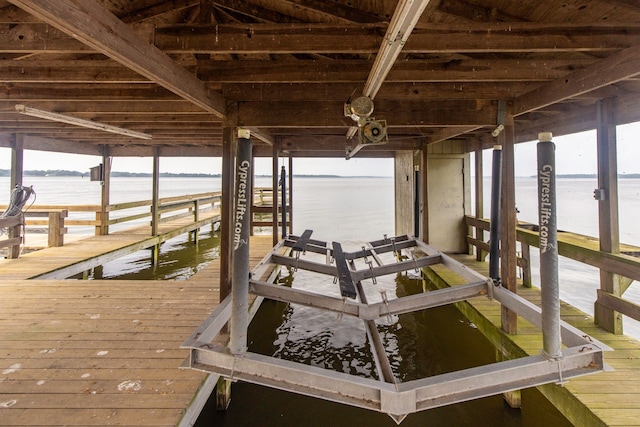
[59, 172]
[116, 174]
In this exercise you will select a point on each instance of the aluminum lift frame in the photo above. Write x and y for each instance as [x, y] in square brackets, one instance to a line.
[581, 354]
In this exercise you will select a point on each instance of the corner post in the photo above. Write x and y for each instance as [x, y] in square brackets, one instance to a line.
[17, 172]
[508, 255]
[274, 192]
[283, 185]
[290, 194]
[155, 201]
[479, 190]
[226, 200]
[607, 197]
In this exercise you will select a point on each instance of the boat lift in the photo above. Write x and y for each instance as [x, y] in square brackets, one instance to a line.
[581, 354]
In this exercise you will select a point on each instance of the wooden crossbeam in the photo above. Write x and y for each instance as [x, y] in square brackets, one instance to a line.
[93, 24]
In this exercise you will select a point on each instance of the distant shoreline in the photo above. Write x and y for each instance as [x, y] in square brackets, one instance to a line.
[116, 174]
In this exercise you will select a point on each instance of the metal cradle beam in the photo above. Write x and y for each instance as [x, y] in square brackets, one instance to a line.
[583, 354]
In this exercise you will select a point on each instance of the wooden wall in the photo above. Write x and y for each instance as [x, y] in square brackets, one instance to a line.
[403, 187]
[447, 190]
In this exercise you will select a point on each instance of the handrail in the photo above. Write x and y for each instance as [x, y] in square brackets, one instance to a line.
[581, 248]
[64, 217]
[169, 208]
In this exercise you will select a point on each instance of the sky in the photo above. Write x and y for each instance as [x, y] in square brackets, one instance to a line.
[575, 154]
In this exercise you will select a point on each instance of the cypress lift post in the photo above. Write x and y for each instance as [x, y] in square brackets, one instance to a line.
[239, 322]
[548, 233]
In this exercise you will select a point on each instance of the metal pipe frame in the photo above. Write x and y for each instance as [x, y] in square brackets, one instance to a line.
[398, 400]
[583, 356]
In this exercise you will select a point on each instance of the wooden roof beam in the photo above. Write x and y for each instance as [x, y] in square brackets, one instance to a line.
[450, 132]
[295, 71]
[366, 38]
[25, 38]
[617, 67]
[329, 114]
[94, 25]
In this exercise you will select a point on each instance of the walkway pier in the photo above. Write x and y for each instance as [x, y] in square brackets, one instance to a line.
[81, 255]
[102, 352]
[610, 398]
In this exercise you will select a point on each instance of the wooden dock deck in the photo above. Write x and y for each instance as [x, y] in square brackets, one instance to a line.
[81, 255]
[102, 352]
[603, 399]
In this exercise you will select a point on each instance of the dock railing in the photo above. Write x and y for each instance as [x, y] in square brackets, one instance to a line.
[57, 220]
[585, 249]
[262, 208]
[61, 220]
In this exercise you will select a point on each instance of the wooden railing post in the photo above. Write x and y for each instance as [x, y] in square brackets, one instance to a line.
[15, 233]
[526, 265]
[56, 228]
[102, 217]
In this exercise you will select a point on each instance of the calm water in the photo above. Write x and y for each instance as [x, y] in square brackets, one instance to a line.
[354, 210]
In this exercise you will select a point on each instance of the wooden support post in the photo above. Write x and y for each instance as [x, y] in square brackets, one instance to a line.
[226, 236]
[17, 160]
[155, 202]
[513, 398]
[274, 198]
[17, 170]
[607, 196]
[290, 194]
[479, 190]
[508, 256]
[223, 387]
[102, 229]
[424, 196]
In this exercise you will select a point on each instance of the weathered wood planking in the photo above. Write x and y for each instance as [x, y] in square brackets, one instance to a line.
[82, 255]
[607, 398]
[102, 352]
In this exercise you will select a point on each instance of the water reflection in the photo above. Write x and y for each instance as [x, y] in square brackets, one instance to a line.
[420, 344]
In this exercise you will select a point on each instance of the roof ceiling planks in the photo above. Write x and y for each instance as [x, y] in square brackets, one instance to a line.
[290, 65]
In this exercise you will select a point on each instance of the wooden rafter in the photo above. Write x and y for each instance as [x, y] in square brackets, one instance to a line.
[95, 26]
[617, 67]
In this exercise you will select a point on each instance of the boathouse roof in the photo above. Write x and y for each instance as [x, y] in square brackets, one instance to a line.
[181, 71]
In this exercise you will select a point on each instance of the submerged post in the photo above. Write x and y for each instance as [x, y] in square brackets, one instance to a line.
[239, 321]
[283, 185]
[494, 231]
[549, 286]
